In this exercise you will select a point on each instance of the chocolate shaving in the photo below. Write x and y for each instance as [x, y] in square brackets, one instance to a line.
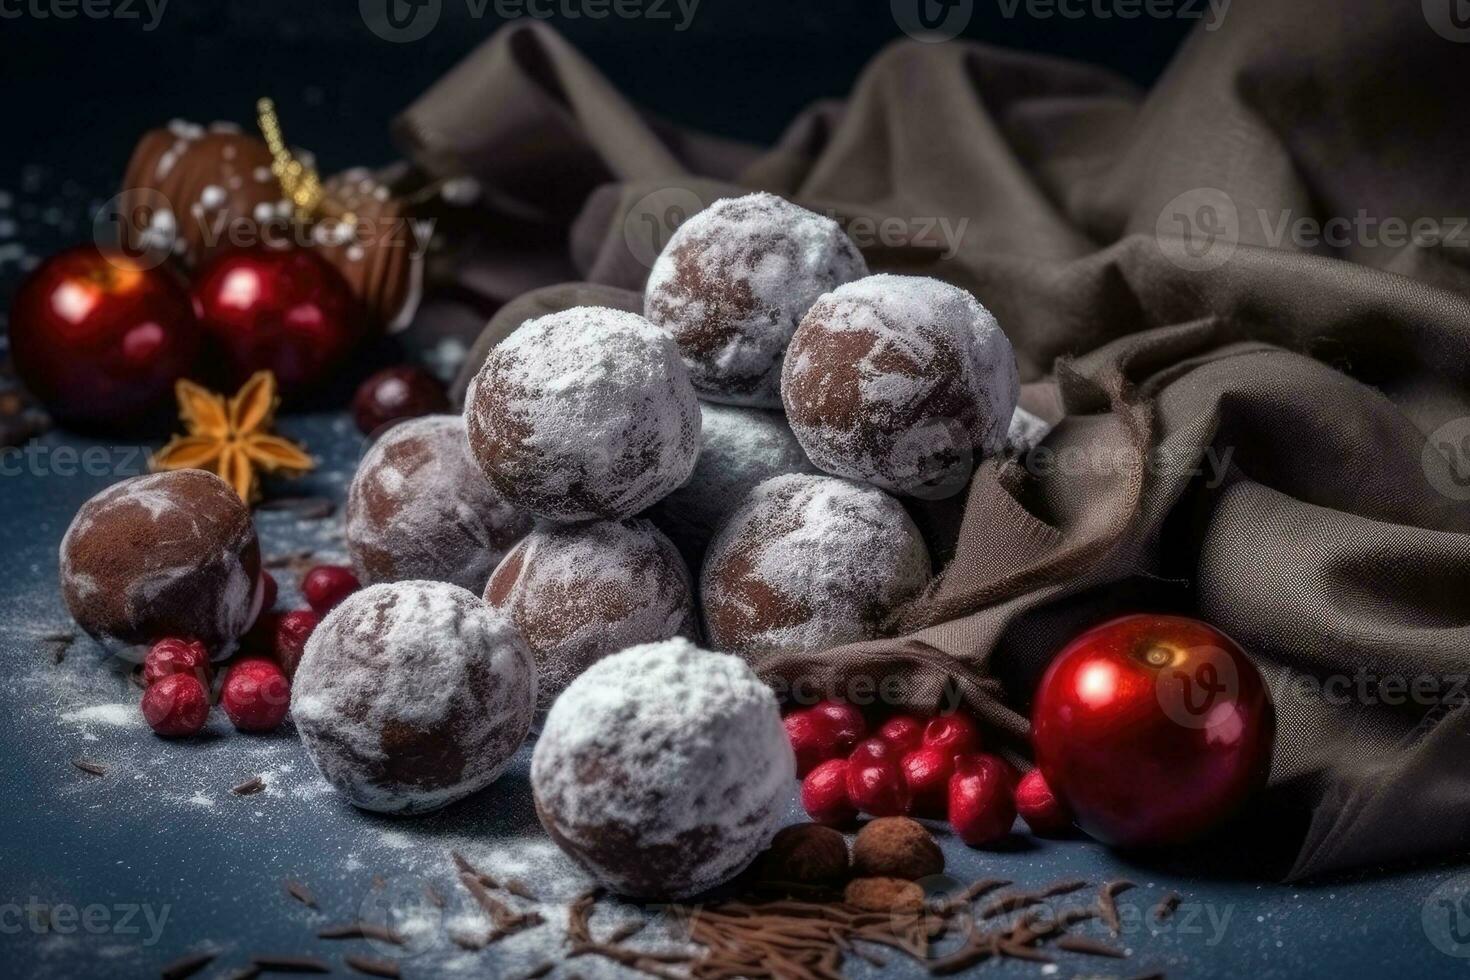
[626, 931]
[249, 972]
[372, 967]
[1090, 947]
[472, 943]
[519, 889]
[1166, 907]
[505, 920]
[539, 971]
[976, 890]
[301, 893]
[249, 787]
[435, 897]
[304, 508]
[89, 766]
[290, 964]
[187, 965]
[1107, 904]
[362, 930]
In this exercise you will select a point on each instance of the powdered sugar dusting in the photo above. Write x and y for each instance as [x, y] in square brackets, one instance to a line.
[663, 769]
[583, 414]
[808, 563]
[733, 283]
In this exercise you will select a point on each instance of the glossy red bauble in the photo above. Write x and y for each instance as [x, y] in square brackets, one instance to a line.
[100, 338]
[284, 310]
[394, 394]
[982, 803]
[1153, 729]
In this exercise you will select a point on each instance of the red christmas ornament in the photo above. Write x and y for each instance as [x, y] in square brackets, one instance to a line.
[394, 394]
[1153, 729]
[982, 803]
[101, 338]
[255, 694]
[284, 310]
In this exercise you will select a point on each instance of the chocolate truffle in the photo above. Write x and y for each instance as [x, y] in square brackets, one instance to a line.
[896, 847]
[587, 413]
[419, 508]
[733, 283]
[807, 563]
[165, 555]
[741, 447]
[413, 695]
[902, 381]
[806, 854]
[379, 249]
[663, 770]
[581, 592]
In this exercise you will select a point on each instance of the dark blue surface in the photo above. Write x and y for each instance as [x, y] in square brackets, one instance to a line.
[161, 832]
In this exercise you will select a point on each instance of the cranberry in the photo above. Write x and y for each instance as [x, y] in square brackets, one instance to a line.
[875, 782]
[927, 771]
[174, 656]
[824, 794]
[1039, 807]
[293, 629]
[956, 733]
[811, 740]
[846, 723]
[255, 695]
[326, 585]
[904, 732]
[982, 806]
[394, 394]
[176, 705]
[269, 591]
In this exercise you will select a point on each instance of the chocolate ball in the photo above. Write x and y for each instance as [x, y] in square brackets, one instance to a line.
[413, 695]
[663, 770]
[419, 508]
[806, 854]
[901, 381]
[170, 554]
[896, 847]
[807, 563]
[733, 283]
[583, 592]
[584, 414]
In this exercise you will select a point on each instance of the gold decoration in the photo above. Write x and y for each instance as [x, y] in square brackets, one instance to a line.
[300, 182]
[233, 438]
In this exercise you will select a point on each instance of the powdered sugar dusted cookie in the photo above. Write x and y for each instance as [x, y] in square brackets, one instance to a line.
[808, 563]
[581, 592]
[165, 555]
[741, 448]
[901, 381]
[587, 413]
[732, 284]
[419, 508]
[664, 770]
[412, 695]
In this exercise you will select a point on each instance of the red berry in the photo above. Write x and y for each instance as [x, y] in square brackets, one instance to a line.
[982, 806]
[875, 781]
[824, 794]
[175, 656]
[811, 740]
[327, 585]
[846, 723]
[927, 771]
[955, 733]
[395, 394]
[1039, 807]
[293, 629]
[175, 706]
[269, 590]
[255, 695]
[904, 732]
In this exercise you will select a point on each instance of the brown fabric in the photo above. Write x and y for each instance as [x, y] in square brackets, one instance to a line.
[1246, 442]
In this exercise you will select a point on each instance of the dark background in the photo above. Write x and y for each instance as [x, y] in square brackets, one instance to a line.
[79, 92]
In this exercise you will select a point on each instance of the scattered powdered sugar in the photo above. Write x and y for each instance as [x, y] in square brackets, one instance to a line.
[742, 447]
[808, 563]
[412, 695]
[663, 769]
[582, 592]
[124, 715]
[733, 283]
[902, 381]
[583, 414]
[419, 508]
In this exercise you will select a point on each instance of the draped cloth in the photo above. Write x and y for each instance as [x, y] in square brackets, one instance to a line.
[1244, 297]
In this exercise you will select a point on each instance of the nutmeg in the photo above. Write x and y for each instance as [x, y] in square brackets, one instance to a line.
[806, 854]
[896, 847]
[884, 895]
